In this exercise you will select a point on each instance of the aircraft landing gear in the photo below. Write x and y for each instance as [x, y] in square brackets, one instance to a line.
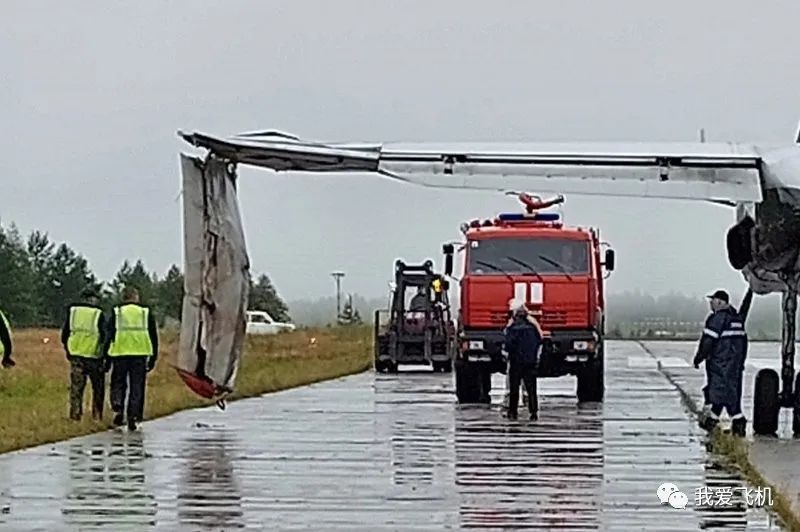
[767, 399]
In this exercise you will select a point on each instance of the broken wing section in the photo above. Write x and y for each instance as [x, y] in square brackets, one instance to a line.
[217, 278]
[282, 152]
[698, 171]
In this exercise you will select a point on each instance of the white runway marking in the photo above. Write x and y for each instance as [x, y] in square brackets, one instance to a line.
[673, 362]
[759, 363]
[642, 362]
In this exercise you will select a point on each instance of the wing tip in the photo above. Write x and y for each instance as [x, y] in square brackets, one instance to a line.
[191, 138]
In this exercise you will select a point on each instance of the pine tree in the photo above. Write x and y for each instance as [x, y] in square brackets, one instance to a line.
[170, 291]
[67, 274]
[350, 315]
[263, 296]
[17, 300]
[136, 276]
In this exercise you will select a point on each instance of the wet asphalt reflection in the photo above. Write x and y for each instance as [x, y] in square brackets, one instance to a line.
[385, 452]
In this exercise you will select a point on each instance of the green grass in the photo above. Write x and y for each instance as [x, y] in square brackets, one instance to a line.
[34, 395]
[735, 453]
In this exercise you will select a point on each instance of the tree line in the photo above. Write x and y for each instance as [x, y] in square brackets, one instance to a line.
[636, 314]
[41, 278]
[628, 314]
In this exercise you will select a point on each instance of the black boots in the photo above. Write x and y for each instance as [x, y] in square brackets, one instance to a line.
[708, 423]
[739, 427]
[119, 419]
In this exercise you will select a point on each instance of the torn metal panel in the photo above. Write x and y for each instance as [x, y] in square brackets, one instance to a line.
[284, 153]
[217, 277]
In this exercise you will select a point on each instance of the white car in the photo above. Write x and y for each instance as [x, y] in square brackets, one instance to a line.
[259, 322]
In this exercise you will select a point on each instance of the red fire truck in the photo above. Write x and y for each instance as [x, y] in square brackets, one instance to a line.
[557, 270]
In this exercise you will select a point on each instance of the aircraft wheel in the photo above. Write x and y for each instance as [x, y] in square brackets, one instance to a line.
[467, 389]
[591, 385]
[766, 403]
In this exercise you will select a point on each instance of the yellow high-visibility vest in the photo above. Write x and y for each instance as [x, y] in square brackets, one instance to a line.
[132, 335]
[8, 328]
[84, 336]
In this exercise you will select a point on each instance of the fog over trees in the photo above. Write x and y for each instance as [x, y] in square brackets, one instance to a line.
[636, 313]
[41, 278]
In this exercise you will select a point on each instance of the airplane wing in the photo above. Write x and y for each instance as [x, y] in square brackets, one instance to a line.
[216, 282]
[723, 172]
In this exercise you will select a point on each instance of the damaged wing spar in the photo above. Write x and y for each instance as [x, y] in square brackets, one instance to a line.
[217, 278]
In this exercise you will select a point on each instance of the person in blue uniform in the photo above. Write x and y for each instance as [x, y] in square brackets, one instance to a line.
[523, 339]
[723, 348]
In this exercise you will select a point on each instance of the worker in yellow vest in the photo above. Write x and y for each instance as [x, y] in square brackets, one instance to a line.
[6, 346]
[83, 336]
[133, 350]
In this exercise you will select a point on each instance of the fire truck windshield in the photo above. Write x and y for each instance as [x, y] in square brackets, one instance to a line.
[519, 256]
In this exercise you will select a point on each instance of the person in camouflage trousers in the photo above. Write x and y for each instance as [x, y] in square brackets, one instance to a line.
[83, 336]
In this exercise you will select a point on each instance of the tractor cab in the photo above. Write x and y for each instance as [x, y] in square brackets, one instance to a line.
[417, 327]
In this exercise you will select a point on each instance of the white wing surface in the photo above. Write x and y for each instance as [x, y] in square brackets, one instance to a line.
[699, 171]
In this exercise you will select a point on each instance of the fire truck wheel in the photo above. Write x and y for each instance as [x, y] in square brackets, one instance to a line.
[443, 367]
[467, 390]
[591, 385]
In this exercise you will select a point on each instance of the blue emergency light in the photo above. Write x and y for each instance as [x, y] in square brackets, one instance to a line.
[540, 217]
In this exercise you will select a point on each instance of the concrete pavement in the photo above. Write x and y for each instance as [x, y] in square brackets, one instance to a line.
[388, 452]
[778, 460]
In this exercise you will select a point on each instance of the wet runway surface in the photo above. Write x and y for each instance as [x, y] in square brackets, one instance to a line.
[675, 359]
[776, 459]
[388, 452]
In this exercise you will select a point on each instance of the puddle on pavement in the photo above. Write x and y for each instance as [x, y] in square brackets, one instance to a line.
[385, 453]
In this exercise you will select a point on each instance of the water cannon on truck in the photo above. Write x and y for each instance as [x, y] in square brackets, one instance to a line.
[559, 272]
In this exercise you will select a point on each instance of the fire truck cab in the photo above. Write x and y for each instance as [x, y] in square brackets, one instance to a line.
[557, 270]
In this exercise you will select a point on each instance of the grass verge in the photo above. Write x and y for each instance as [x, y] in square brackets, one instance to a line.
[735, 455]
[34, 395]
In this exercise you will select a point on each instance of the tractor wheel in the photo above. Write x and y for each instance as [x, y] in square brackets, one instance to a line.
[591, 382]
[766, 403]
[443, 367]
[467, 389]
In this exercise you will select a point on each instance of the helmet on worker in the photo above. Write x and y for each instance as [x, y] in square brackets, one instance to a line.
[517, 307]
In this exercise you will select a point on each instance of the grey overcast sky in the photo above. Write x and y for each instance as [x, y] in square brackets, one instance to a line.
[93, 93]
